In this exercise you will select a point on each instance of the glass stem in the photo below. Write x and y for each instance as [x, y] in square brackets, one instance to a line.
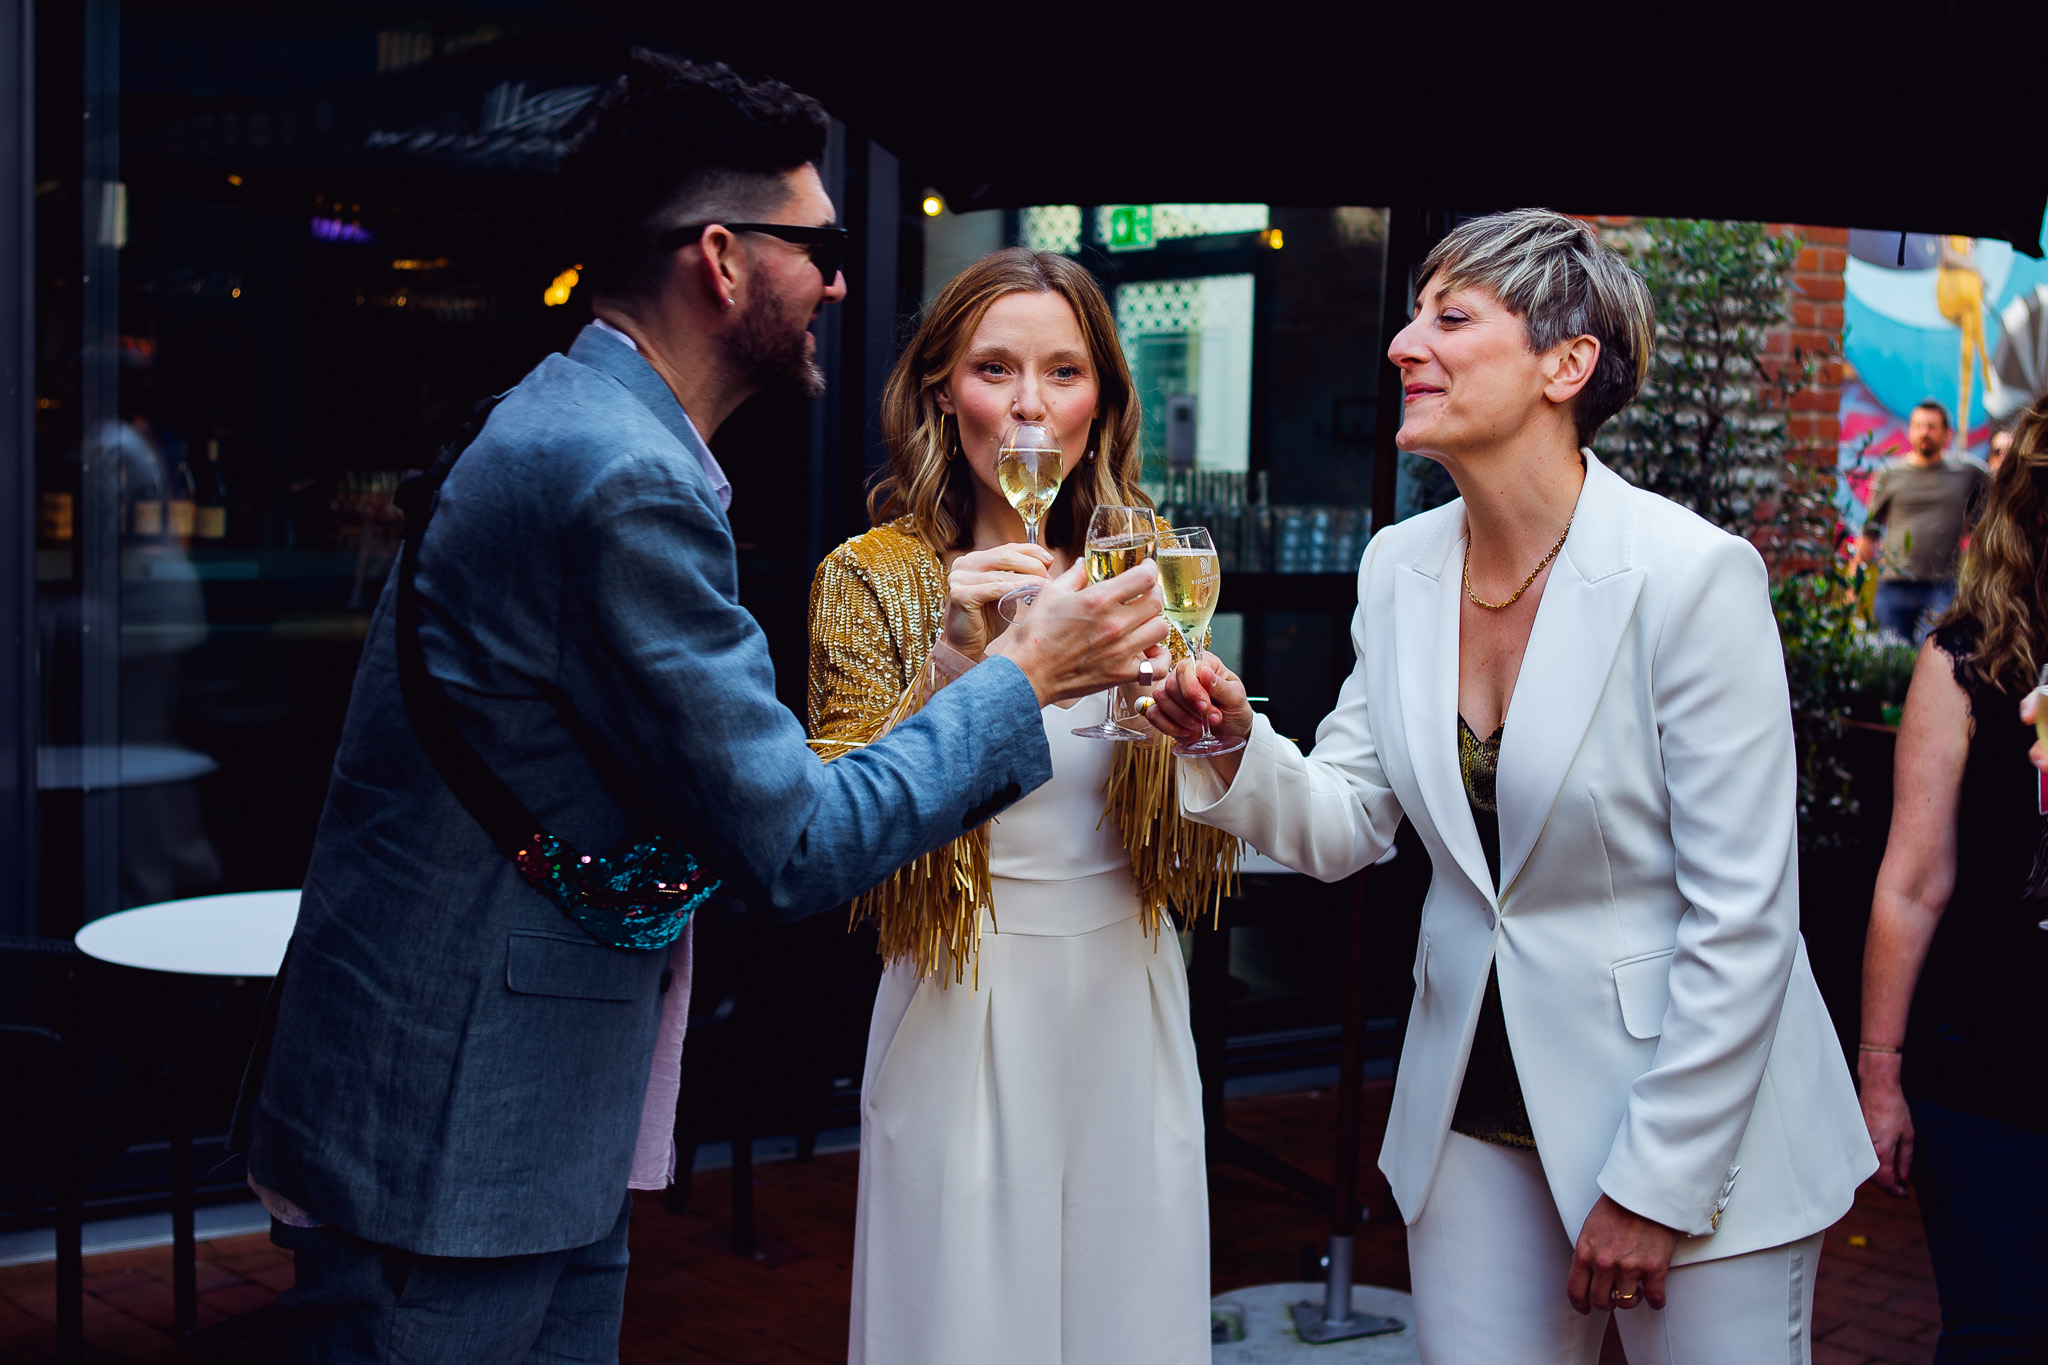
[1030, 533]
[1196, 655]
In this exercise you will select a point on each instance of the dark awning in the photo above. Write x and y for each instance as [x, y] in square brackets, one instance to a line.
[1925, 118]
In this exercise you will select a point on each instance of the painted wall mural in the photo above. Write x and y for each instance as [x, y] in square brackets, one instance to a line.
[1960, 320]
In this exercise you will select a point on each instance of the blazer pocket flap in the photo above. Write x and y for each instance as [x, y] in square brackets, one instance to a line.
[1644, 986]
[542, 964]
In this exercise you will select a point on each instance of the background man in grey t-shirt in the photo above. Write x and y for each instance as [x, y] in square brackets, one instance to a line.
[1919, 511]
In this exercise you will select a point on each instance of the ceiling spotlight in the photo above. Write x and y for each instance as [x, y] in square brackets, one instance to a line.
[933, 206]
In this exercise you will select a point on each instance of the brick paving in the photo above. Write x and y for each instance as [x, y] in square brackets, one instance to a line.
[691, 1300]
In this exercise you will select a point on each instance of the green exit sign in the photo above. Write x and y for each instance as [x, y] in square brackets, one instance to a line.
[1130, 227]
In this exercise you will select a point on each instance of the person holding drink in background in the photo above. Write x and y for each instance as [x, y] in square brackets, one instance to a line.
[1958, 941]
[1032, 1184]
[1619, 1086]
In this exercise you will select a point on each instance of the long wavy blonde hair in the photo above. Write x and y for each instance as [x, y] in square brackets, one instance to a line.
[2002, 588]
[927, 478]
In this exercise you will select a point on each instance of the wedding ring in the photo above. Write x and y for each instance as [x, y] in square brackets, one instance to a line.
[1625, 1300]
[1145, 704]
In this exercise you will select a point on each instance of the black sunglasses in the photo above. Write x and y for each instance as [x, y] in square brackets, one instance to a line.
[827, 244]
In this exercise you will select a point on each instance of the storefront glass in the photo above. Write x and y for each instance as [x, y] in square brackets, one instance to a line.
[282, 250]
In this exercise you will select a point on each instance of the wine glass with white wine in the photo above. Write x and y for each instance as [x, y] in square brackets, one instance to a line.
[2041, 707]
[1119, 538]
[1191, 579]
[1029, 467]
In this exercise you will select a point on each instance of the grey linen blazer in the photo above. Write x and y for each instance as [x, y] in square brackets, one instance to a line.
[455, 1068]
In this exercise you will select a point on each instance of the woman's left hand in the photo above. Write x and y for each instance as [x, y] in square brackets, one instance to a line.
[2028, 707]
[977, 581]
[1620, 1261]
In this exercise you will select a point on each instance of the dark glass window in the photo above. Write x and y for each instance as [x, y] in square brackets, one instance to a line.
[281, 250]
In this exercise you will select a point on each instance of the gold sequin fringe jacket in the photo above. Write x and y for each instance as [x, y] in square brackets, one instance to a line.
[877, 607]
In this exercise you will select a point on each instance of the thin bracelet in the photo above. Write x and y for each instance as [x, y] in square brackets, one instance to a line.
[1885, 1048]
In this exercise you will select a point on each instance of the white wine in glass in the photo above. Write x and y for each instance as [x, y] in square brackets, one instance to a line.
[1030, 480]
[2041, 708]
[1116, 554]
[1029, 467]
[1119, 538]
[1191, 579]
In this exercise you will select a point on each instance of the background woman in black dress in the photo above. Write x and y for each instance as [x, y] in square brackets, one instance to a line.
[1952, 1072]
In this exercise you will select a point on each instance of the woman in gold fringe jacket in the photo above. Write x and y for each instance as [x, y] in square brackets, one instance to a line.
[1032, 1183]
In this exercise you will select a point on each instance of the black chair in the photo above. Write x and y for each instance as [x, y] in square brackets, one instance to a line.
[39, 1139]
[778, 1020]
[55, 1130]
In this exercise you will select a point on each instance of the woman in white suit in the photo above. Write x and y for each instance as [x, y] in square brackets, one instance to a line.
[1619, 1084]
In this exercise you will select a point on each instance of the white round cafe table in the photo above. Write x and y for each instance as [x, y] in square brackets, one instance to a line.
[241, 934]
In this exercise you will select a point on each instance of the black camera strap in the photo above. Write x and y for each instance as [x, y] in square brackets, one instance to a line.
[503, 816]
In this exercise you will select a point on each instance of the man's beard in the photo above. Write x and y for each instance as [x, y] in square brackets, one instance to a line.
[769, 348]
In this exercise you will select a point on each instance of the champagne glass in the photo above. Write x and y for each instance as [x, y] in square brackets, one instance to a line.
[1119, 538]
[1191, 578]
[1029, 467]
[2041, 707]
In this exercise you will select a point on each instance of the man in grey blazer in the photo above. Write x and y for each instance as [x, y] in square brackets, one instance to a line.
[446, 1118]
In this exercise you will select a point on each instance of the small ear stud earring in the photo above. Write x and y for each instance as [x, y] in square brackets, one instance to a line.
[728, 305]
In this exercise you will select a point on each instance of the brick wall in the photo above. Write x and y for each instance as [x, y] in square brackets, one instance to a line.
[1814, 333]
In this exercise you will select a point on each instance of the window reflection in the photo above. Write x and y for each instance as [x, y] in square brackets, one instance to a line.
[280, 253]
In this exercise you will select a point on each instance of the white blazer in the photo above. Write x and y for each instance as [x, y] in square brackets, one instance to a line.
[1672, 1046]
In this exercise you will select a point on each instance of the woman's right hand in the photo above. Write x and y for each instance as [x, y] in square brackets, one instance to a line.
[1198, 691]
[1889, 1120]
[977, 580]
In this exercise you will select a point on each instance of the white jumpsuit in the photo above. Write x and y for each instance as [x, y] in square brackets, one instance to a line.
[1033, 1188]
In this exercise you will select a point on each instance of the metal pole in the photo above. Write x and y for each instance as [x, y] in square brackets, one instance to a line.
[1350, 1103]
[18, 486]
[1332, 1319]
[99, 509]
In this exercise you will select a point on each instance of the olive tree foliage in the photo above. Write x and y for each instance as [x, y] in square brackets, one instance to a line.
[1708, 428]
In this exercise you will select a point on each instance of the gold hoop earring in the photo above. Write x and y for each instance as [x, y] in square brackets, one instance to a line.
[944, 450]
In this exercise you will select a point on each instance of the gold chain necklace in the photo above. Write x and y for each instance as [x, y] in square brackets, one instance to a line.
[1503, 606]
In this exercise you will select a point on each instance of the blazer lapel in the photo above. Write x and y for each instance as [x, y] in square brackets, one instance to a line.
[593, 347]
[1426, 597]
[1585, 610]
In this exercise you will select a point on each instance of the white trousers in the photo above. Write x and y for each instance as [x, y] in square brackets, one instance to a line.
[1032, 1182]
[1489, 1258]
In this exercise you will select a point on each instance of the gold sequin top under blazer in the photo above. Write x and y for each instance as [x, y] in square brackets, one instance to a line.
[877, 606]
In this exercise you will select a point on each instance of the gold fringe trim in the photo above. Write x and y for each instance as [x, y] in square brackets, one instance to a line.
[1176, 862]
[929, 912]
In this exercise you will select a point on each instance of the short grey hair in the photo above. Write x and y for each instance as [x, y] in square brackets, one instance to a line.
[1562, 281]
